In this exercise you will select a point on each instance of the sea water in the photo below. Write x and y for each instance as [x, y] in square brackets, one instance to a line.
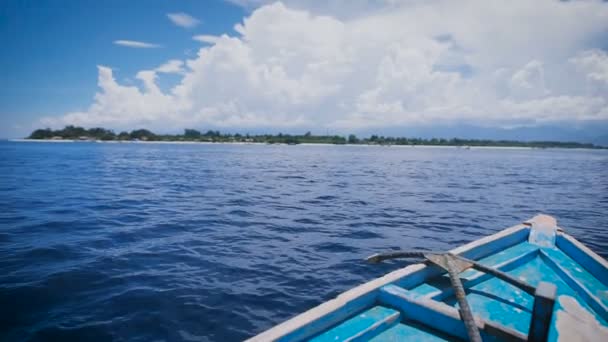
[218, 242]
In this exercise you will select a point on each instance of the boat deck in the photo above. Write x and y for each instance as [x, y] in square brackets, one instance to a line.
[490, 298]
[536, 283]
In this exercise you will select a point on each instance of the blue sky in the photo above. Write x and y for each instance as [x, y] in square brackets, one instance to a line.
[408, 67]
[52, 47]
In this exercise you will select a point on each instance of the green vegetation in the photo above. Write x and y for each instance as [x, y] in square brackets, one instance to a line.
[79, 133]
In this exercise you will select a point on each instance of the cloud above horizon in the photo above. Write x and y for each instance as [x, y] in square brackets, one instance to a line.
[136, 44]
[385, 64]
[183, 20]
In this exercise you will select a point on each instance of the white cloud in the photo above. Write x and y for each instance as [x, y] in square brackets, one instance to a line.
[183, 20]
[174, 66]
[342, 9]
[205, 38]
[136, 44]
[118, 106]
[530, 76]
[594, 63]
[419, 62]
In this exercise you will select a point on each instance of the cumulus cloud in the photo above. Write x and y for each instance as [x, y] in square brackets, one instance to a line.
[342, 9]
[174, 66]
[136, 44]
[530, 76]
[183, 20]
[117, 105]
[594, 63]
[402, 63]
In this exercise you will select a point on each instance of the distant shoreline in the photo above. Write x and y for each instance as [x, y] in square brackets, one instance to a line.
[69, 141]
[99, 134]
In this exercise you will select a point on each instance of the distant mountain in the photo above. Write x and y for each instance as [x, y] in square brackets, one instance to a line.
[595, 134]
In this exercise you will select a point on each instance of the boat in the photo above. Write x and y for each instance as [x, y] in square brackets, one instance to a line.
[529, 282]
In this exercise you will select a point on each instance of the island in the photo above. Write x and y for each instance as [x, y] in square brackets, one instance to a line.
[213, 136]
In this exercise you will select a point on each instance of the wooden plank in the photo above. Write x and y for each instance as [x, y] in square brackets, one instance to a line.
[544, 300]
[479, 277]
[594, 302]
[491, 244]
[440, 316]
[336, 312]
[411, 331]
[362, 327]
[595, 264]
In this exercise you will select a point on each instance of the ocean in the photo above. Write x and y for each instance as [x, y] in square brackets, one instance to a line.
[218, 242]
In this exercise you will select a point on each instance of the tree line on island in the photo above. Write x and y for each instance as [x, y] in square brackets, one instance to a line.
[102, 134]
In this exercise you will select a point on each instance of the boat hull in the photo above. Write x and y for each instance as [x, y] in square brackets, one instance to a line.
[418, 302]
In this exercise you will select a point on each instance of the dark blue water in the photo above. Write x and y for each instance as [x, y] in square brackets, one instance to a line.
[219, 242]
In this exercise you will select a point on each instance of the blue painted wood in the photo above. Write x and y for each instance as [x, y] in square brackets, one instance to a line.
[335, 317]
[362, 327]
[538, 270]
[504, 261]
[416, 306]
[576, 271]
[412, 308]
[411, 331]
[584, 259]
[544, 300]
[576, 284]
[419, 277]
[500, 302]
[495, 246]
[486, 250]
[440, 317]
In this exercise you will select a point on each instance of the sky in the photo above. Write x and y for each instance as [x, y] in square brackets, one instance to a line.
[475, 69]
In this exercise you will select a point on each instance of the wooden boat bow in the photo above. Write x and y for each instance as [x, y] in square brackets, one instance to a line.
[528, 282]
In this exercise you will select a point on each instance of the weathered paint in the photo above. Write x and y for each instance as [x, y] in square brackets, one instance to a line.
[335, 314]
[543, 231]
[438, 285]
[498, 301]
[332, 312]
[513, 258]
[576, 282]
[423, 297]
[445, 318]
[440, 316]
[361, 327]
[584, 256]
[575, 323]
[494, 243]
[544, 299]
[410, 332]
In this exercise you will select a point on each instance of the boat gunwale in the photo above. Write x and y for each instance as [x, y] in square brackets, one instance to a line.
[594, 262]
[294, 324]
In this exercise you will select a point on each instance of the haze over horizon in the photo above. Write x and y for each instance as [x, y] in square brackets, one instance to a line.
[473, 69]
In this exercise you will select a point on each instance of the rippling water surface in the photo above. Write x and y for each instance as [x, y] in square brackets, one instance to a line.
[219, 242]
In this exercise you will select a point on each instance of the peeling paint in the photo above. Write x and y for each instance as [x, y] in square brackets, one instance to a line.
[365, 312]
[574, 323]
[543, 232]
